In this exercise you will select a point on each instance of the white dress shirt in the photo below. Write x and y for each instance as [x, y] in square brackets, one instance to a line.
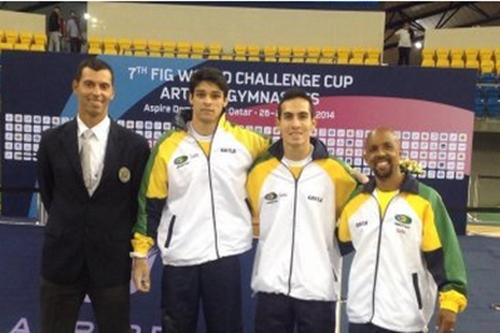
[98, 143]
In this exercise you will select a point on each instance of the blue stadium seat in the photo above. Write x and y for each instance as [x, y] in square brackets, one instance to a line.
[487, 78]
[493, 107]
[492, 100]
[489, 92]
[479, 107]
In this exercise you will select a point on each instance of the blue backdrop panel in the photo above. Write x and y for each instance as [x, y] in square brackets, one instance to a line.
[431, 108]
[20, 256]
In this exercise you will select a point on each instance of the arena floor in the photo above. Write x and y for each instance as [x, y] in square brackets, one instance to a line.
[483, 224]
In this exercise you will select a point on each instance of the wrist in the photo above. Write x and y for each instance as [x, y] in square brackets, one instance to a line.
[138, 255]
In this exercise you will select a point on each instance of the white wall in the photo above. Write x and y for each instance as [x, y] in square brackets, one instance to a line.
[10, 20]
[230, 26]
[487, 37]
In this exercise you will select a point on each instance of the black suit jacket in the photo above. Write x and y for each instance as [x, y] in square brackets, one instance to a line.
[83, 233]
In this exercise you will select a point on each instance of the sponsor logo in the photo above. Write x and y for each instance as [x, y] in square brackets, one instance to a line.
[361, 224]
[228, 150]
[405, 219]
[271, 196]
[315, 198]
[180, 160]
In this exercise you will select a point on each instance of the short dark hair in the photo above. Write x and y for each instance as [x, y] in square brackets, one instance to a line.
[209, 74]
[296, 93]
[95, 64]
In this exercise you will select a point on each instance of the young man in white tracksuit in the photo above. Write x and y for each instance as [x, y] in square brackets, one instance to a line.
[296, 192]
[193, 200]
[406, 249]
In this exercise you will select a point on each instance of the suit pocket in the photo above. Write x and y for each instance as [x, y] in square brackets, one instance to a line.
[170, 231]
[416, 287]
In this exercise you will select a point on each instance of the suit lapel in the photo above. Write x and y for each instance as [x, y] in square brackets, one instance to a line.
[111, 155]
[70, 143]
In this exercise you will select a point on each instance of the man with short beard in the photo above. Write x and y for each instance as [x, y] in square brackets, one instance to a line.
[406, 249]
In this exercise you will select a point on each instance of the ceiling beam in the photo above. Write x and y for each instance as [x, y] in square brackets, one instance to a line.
[429, 13]
[494, 17]
[37, 6]
[443, 15]
[448, 18]
[477, 9]
[405, 6]
[417, 25]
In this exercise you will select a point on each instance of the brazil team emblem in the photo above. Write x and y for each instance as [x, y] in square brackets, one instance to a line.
[124, 174]
[405, 219]
[180, 160]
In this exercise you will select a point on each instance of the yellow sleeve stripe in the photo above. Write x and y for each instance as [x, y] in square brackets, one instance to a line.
[141, 243]
[423, 209]
[158, 179]
[344, 233]
[343, 181]
[256, 179]
[255, 143]
[452, 300]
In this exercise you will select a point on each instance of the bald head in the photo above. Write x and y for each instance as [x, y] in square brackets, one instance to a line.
[386, 132]
[382, 153]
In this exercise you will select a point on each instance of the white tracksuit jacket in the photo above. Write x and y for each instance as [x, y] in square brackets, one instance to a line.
[297, 254]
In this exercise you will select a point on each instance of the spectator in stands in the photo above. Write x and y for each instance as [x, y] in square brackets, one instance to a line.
[54, 27]
[404, 44]
[406, 249]
[73, 32]
[296, 192]
[193, 197]
[89, 173]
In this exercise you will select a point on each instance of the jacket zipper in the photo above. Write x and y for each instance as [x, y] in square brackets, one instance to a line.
[414, 278]
[294, 223]
[382, 217]
[170, 231]
[216, 238]
[212, 200]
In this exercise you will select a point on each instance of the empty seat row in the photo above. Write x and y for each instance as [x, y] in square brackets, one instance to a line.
[24, 37]
[14, 40]
[22, 47]
[487, 101]
[485, 60]
[298, 54]
[240, 52]
[153, 48]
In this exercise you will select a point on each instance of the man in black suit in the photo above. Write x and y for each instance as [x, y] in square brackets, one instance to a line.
[89, 174]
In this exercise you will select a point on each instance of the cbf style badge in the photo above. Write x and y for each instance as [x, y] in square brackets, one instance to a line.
[124, 174]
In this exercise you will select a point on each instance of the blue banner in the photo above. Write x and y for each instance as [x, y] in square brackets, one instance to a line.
[431, 109]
